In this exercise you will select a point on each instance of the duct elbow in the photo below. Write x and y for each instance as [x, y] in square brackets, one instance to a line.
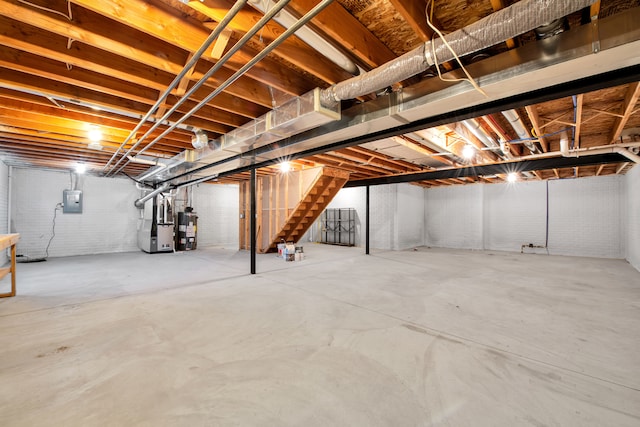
[141, 201]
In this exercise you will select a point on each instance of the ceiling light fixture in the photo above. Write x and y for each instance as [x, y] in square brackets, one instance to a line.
[512, 177]
[95, 134]
[285, 167]
[81, 168]
[468, 152]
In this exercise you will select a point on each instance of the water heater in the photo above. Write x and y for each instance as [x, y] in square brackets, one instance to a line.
[186, 233]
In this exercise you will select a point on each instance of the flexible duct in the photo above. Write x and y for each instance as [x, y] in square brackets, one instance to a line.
[502, 25]
[141, 201]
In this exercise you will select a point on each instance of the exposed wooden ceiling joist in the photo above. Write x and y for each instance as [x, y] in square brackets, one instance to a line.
[120, 55]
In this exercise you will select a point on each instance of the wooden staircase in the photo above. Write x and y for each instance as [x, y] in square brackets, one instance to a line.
[320, 194]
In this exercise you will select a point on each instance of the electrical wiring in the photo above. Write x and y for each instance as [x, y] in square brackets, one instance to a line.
[69, 16]
[46, 9]
[469, 78]
[536, 138]
[53, 229]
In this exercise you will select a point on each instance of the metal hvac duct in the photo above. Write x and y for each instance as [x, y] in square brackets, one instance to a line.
[141, 201]
[504, 77]
[502, 25]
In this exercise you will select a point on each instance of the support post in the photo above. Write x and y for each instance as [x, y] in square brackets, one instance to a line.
[252, 189]
[367, 221]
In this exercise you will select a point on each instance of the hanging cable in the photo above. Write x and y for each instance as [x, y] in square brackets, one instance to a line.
[69, 16]
[53, 229]
[446, 43]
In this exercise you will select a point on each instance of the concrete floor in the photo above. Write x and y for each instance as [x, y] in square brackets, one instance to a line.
[414, 338]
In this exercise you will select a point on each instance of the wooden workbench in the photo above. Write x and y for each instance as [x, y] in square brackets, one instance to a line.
[7, 240]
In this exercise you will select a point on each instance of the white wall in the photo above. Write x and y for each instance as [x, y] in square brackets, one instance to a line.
[382, 213]
[632, 213]
[586, 216]
[217, 206]
[109, 219]
[454, 219]
[346, 198]
[108, 222]
[506, 216]
[514, 214]
[396, 214]
[410, 216]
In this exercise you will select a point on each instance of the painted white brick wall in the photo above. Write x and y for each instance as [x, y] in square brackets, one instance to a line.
[632, 217]
[514, 214]
[346, 198]
[383, 202]
[4, 205]
[453, 217]
[217, 207]
[585, 217]
[410, 214]
[397, 215]
[108, 222]
[506, 216]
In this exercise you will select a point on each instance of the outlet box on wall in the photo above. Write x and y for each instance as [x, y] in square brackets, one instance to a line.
[72, 201]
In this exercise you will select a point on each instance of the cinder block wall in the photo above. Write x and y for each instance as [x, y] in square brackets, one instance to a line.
[506, 216]
[632, 211]
[107, 224]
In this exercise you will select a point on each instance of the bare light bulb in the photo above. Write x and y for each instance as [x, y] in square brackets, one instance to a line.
[512, 177]
[285, 167]
[95, 134]
[81, 168]
[468, 152]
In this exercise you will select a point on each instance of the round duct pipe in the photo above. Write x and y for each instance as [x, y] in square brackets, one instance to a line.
[199, 139]
[551, 29]
[141, 201]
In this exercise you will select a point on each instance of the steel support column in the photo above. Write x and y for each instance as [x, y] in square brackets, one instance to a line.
[252, 228]
[366, 251]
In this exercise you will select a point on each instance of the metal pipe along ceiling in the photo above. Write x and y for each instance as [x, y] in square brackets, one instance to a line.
[430, 103]
[302, 21]
[141, 201]
[499, 26]
[205, 45]
[518, 126]
[236, 47]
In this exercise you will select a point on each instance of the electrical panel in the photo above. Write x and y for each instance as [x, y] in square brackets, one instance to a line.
[72, 201]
